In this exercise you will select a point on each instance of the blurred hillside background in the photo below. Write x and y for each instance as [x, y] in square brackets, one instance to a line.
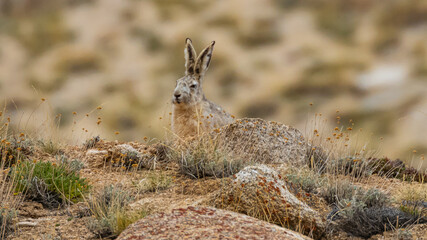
[272, 58]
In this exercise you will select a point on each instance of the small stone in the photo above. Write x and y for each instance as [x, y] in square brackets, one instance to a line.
[27, 224]
[96, 152]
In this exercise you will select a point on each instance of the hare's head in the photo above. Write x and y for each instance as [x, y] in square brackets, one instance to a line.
[188, 90]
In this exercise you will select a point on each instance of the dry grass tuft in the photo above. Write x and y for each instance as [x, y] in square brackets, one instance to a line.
[6, 221]
[305, 179]
[91, 143]
[413, 199]
[154, 182]
[339, 151]
[111, 213]
[50, 147]
[396, 169]
[342, 192]
[358, 211]
[13, 150]
[203, 157]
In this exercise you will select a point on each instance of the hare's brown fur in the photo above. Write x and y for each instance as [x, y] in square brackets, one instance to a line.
[192, 113]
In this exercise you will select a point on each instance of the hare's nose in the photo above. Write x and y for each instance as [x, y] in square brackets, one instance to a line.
[177, 95]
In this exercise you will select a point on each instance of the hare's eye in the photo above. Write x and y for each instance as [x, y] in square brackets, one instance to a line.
[193, 86]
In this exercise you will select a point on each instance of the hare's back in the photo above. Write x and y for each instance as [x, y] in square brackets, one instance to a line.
[217, 114]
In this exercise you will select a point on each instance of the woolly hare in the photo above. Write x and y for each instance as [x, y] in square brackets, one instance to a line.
[192, 113]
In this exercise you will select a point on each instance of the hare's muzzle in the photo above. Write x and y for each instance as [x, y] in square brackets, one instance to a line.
[177, 98]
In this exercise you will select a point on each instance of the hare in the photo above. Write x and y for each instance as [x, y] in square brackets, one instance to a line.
[192, 113]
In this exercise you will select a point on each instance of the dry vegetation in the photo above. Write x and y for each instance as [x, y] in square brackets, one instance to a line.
[101, 187]
[51, 189]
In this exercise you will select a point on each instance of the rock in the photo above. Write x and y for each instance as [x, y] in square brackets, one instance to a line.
[205, 223]
[27, 224]
[258, 191]
[260, 141]
[95, 158]
[126, 149]
[92, 152]
[127, 156]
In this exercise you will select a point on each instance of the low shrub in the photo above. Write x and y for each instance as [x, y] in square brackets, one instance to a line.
[335, 192]
[362, 167]
[396, 169]
[365, 222]
[340, 193]
[373, 198]
[307, 180]
[49, 183]
[364, 213]
[109, 210]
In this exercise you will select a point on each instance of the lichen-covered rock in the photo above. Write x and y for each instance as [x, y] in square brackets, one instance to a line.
[260, 141]
[205, 223]
[126, 155]
[95, 157]
[259, 191]
[132, 155]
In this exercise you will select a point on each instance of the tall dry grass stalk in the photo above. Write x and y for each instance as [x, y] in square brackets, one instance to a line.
[61, 128]
[111, 212]
[345, 149]
[20, 133]
[348, 158]
[10, 154]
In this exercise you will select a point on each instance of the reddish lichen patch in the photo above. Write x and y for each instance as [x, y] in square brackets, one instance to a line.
[205, 223]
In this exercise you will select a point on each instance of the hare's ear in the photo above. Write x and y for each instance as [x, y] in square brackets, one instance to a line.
[190, 57]
[204, 59]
